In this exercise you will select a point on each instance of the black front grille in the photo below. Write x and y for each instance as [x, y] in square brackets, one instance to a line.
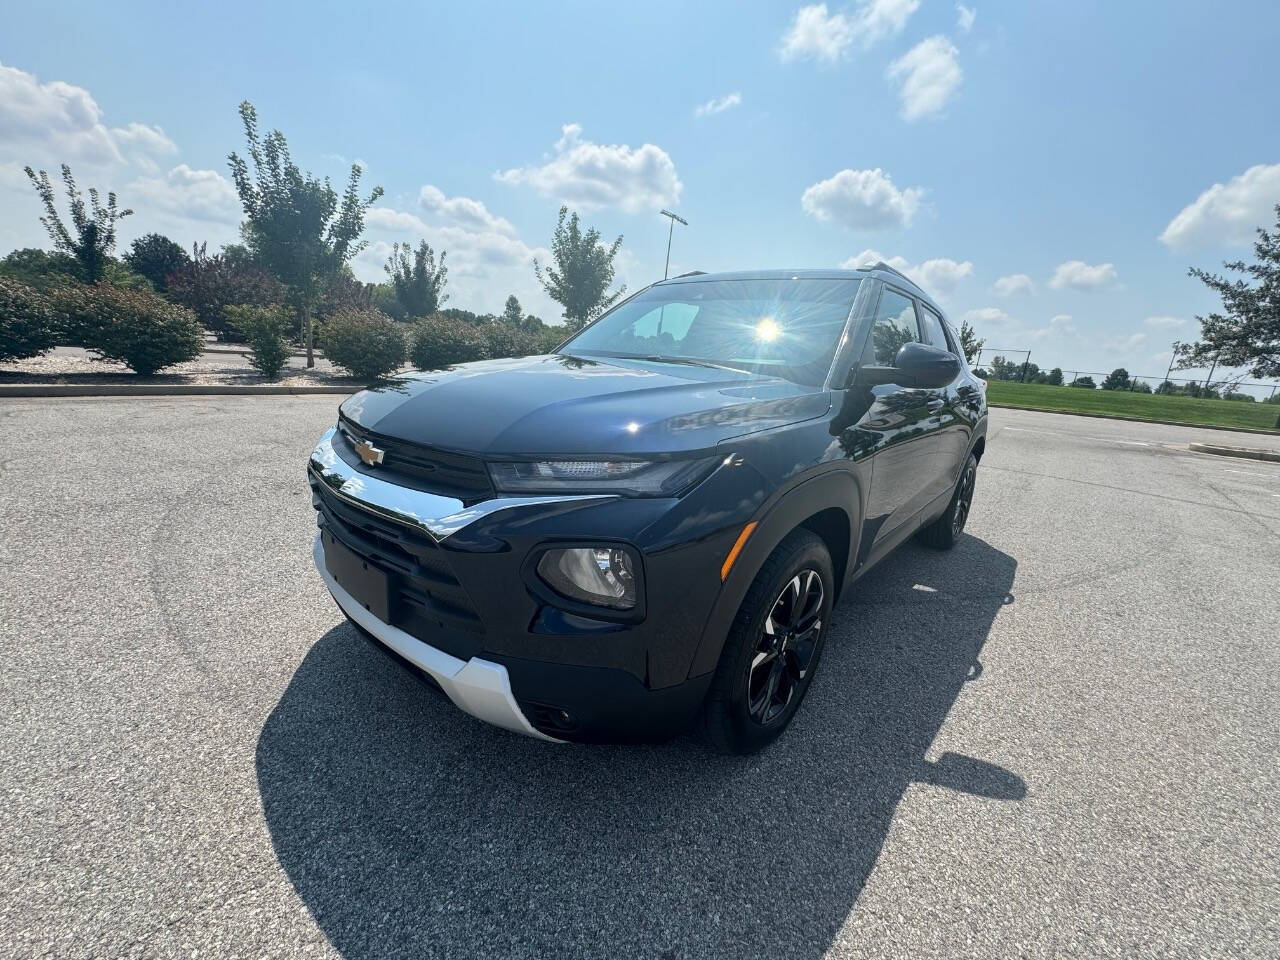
[440, 471]
[426, 601]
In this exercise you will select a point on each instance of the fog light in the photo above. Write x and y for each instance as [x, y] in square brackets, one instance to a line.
[602, 576]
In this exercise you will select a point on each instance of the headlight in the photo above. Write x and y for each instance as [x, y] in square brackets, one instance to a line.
[643, 478]
[598, 575]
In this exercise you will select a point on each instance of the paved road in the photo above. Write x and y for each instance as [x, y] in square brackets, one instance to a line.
[1059, 739]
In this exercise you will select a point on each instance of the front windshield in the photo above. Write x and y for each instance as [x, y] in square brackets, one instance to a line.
[786, 327]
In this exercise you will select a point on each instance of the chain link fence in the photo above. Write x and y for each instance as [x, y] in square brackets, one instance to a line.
[1016, 365]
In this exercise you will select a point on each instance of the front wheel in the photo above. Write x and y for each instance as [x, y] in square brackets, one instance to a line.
[943, 533]
[773, 647]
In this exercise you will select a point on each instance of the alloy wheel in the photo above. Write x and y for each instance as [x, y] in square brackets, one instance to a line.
[786, 647]
[964, 499]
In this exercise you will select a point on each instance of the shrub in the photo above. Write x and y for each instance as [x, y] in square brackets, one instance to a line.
[441, 342]
[366, 343]
[1084, 382]
[141, 330]
[26, 324]
[265, 328]
[548, 338]
[503, 340]
[210, 284]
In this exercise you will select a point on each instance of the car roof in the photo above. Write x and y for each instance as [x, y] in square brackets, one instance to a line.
[881, 271]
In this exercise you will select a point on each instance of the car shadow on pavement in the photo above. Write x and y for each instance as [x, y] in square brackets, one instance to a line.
[410, 829]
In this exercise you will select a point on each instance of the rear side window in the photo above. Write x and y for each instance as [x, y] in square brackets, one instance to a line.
[895, 324]
[935, 333]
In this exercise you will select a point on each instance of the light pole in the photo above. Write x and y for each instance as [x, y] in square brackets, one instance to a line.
[670, 230]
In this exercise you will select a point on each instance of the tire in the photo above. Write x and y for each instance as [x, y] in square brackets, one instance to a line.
[943, 533]
[743, 712]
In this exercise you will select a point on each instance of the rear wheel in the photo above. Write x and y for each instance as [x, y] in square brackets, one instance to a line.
[945, 531]
[773, 647]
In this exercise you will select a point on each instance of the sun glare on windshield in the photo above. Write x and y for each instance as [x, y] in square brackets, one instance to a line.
[767, 330]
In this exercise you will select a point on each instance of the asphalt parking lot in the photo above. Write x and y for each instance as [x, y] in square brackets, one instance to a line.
[1058, 739]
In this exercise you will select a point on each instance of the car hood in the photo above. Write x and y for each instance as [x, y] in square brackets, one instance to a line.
[561, 404]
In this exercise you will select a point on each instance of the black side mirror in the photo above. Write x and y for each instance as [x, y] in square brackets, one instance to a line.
[916, 365]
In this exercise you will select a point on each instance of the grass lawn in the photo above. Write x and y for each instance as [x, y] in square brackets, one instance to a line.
[1140, 406]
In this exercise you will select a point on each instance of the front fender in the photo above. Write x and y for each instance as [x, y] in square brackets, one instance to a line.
[840, 488]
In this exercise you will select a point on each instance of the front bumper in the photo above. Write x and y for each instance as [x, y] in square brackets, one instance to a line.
[463, 606]
[478, 687]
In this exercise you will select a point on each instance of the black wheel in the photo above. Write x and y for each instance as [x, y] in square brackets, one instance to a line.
[945, 531]
[773, 647]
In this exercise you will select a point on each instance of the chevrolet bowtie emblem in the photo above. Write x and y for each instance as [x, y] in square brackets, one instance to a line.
[370, 454]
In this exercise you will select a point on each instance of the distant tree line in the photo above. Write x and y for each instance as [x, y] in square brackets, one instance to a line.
[289, 280]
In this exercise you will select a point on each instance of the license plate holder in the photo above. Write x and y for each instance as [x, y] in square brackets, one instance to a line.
[365, 582]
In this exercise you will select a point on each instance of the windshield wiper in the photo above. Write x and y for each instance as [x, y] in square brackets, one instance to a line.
[690, 362]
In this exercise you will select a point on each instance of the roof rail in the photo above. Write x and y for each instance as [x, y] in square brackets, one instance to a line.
[881, 265]
[691, 273]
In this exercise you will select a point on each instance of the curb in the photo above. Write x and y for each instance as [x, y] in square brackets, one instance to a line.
[1110, 416]
[8, 390]
[1246, 453]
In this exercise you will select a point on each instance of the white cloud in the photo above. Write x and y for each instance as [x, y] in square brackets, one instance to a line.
[463, 211]
[598, 175]
[1062, 324]
[186, 204]
[484, 265]
[1164, 323]
[53, 121]
[142, 137]
[965, 17]
[988, 315]
[1013, 285]
[718, 105]
[877, 19]
[938, 277]
[1004, 331]
[929, 74]
[1082, 276]
[1123, 342]
[862, 200]
[394, 221]
[816, 34]
[186, 194]
[1227, 214]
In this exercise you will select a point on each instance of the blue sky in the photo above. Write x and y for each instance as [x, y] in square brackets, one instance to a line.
[1048, 170]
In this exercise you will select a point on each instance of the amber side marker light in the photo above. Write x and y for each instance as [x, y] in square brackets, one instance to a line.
[737, 549]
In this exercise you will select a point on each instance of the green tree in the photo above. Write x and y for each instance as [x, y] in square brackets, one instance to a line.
[155, 256]
[1247, 331]
[512, 314]
[1117, 379]
[296, 226]
[1054, 377]
[39, 268]
[1083, 382]
[1002, 369]
[95, 227]
[582, 272]
[417, 279]
[208, 285]
[969, 342]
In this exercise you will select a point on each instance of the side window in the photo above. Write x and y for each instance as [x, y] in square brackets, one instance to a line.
[934, 333]
[894, 325]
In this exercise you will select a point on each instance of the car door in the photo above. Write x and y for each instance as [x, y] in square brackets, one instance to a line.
[952, 430]
[896, 431]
